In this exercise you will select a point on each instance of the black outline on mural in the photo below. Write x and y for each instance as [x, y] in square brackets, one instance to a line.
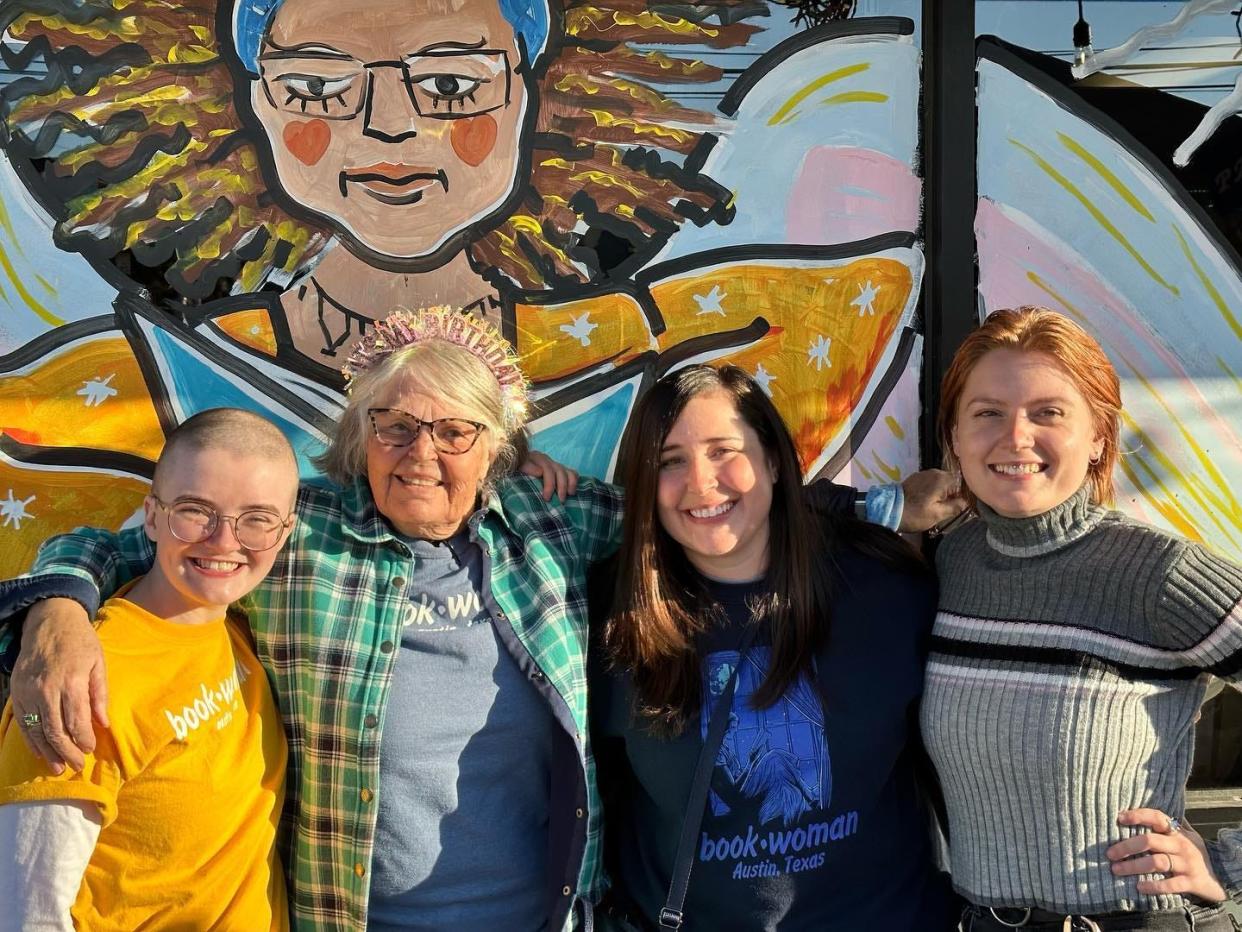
[131, 308]
[77, 457]
[862, 421]
[866, 26]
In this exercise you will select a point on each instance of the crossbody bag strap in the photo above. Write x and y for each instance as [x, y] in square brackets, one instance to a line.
[672, 916]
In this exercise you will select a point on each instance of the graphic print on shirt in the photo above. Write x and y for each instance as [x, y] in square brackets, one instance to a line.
[446, 611]
[768, 811]
[209, 704]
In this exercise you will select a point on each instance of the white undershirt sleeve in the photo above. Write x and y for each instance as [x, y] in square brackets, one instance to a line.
[44, 850]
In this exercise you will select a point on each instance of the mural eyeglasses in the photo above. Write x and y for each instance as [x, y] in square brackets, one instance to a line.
[442, 85]
[452, 435]
[193, 522]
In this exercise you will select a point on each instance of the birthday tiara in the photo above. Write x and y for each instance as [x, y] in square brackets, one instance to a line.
[449, 325]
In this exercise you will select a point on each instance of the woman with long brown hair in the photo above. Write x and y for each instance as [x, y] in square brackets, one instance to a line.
[756, 685]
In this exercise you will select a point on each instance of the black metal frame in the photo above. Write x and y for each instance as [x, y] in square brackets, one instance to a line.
[950, 297]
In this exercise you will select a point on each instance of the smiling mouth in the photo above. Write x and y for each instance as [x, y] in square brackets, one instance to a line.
[1017, 469]
[418, 482]
[393, 184]
[714, 512]
[216, 567]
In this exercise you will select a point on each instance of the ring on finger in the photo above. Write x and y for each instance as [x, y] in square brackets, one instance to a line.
[1168, 871]
[31, 720]
[1175, 825]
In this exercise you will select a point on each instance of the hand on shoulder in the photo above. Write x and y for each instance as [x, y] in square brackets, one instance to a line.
[932, 497]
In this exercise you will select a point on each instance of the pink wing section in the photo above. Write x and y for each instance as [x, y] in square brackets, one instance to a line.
[843, 194]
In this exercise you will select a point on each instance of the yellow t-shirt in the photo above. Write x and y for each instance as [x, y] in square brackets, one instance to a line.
[189, 780]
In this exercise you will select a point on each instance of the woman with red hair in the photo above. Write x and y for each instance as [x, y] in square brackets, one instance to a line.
[1070, 656]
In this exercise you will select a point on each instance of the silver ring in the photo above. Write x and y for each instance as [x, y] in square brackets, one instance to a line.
[1168, 872]
[1175, 825]
[31, 720]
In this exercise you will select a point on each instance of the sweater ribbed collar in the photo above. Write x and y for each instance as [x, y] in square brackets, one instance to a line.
[1043, 533]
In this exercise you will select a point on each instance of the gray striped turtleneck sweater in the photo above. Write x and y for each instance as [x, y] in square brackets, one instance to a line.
[1070, 656]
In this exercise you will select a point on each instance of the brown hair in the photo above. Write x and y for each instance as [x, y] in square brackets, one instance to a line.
[1040, 330]
[661, 603]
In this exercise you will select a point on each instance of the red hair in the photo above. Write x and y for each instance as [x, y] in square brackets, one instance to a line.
[1040, 330]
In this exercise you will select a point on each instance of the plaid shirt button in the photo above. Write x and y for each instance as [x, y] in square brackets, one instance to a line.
[370, 721]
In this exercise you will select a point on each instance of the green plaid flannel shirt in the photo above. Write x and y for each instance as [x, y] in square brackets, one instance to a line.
[326, 621]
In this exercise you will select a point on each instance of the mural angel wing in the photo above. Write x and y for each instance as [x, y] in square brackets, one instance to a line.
[812, 287]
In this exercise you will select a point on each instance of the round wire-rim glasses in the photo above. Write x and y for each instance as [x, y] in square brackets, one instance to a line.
[194, 522]
[452, 435]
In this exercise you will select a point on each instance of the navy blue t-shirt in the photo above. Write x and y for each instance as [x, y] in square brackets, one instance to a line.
[814, 820]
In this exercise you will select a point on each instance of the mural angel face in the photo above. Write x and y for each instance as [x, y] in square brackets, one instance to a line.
[396, 121]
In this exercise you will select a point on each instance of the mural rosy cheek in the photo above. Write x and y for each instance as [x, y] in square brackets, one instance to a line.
[307, 141]
[474, 138]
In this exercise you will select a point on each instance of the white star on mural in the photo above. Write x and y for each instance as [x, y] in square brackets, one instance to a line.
[710, 303]
[865, 302]
[580, 329]
[96, 391]
[764, 378]
[818, 353]
[14, 511]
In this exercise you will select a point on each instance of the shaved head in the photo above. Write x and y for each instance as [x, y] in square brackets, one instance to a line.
[227, 430]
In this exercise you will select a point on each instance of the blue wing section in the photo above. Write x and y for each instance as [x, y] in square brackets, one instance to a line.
[588, 440]
[195, 385]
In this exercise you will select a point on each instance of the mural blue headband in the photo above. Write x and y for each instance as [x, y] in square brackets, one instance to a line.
[529, 19]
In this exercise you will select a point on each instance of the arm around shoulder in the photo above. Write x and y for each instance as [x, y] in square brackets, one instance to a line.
[595, 512]
[918, 503]
[99, 559]
[86, 565]
[59, 679]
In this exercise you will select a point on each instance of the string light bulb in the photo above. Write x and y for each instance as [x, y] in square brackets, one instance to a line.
[1083, 52]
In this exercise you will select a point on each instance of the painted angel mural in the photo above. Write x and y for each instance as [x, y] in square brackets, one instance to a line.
[600, 179]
